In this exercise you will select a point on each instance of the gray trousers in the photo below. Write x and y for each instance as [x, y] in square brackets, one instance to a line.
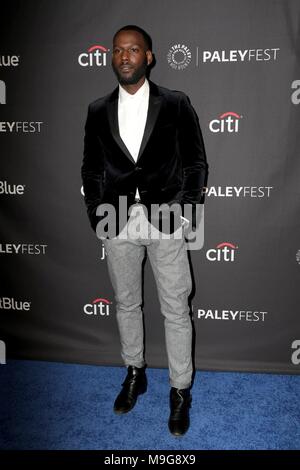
[169, 262]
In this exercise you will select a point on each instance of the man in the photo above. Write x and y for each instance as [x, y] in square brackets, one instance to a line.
[144, 142]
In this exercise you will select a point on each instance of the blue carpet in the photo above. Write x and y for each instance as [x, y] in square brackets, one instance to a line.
[66, 406]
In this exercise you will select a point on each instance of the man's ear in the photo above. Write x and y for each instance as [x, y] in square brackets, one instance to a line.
[149, 57]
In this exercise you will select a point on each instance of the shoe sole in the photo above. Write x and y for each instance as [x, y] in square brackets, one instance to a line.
[178, 434]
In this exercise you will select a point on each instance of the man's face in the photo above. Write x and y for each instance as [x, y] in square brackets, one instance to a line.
[130, 57]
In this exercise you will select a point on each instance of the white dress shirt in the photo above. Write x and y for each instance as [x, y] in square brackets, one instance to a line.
[132, 116]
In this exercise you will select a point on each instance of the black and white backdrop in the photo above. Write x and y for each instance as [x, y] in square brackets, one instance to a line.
[238, 61]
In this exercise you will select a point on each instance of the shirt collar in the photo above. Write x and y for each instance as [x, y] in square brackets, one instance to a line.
[124, 95]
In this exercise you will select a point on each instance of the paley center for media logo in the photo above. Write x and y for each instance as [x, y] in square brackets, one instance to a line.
[96, 56]
[224, 251]
[180, 56]
[99, 306]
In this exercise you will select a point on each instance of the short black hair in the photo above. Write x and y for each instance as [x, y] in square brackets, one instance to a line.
[133, 27]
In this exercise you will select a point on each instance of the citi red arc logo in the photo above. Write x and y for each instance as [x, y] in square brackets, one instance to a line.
[101, 300]
[226, 122]
[231, 245]
[224, 251]
[98, 306]
[96, 55]
[93, 48]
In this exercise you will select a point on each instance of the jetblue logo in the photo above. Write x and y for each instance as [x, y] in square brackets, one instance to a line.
[9, 60]
[7, 188]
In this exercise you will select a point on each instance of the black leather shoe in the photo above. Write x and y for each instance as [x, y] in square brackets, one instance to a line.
[134, 385]
[180, 402]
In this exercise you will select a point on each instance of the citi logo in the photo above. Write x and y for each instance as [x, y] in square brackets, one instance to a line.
[223, 252]
[7, 303]
[98, 307]
[2, 92]
[227, 122]
[6, 188]
[96, 55]
[9, 60]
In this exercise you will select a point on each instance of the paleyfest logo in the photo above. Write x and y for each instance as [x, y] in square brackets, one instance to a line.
[179, 56]
[95, 56]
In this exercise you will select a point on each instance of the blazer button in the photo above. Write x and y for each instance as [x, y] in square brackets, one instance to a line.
[137, 168]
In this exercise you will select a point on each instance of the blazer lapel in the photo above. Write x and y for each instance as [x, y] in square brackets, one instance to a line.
[112, 112]
[154, 105]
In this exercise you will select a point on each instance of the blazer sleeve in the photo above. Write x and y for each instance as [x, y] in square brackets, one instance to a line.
[193, 157]
[92, 169]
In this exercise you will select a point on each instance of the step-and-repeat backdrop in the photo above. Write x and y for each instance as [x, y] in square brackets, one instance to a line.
[238, 61]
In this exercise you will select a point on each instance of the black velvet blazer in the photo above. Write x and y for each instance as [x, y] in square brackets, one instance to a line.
[171, 165]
